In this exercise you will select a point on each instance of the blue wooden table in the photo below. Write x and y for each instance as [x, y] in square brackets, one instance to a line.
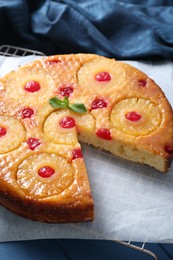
[78, 249]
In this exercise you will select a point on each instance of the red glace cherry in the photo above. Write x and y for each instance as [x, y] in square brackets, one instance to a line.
[33, 143]
[98, 103]
[133, 116]
[54, 61]
[67, 122]
[104, 133]
[46, 171]
[77, 153]
[32, 86]
[3, 131]
[142, 83]
[103, 76]
[66, 90]
[168, 149]
[27, 112]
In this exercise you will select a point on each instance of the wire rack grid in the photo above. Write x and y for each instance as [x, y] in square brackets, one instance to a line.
[13, 51]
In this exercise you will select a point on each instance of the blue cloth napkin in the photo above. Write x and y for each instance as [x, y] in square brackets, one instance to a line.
[127, 29]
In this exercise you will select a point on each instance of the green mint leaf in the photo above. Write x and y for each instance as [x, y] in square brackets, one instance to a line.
[55, 102]
[78, 108]
[66, 100]
[58, 103]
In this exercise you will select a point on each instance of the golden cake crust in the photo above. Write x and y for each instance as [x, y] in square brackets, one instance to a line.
[127, 115]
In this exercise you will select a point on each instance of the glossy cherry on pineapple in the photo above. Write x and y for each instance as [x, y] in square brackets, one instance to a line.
[67, 122]
[33, 143]
[168, 149]
[103, 76]
[77, 153]
[133, 116]
[27, 112]
[3, 131]
[46, 171]
[32, 86]
[66, 90]
[54, 61]
[98, 103]
[104, 133]
[142, 83]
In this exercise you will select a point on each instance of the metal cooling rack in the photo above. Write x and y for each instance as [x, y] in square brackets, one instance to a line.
[141, 248]
[12, 51]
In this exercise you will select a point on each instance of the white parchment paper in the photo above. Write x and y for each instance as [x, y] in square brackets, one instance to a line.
[132, 202]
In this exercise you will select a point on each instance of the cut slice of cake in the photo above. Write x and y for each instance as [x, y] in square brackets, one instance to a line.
[50, 104]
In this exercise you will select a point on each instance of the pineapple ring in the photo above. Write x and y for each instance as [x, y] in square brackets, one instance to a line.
[10, 140]
[88, 72]
[148, 117]
[16, 81]
[59, 135]
[39, 187]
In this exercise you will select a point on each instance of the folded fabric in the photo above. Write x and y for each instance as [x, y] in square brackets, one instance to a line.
[121, 29]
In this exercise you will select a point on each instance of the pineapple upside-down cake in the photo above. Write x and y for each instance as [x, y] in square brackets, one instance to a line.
[50, 104]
